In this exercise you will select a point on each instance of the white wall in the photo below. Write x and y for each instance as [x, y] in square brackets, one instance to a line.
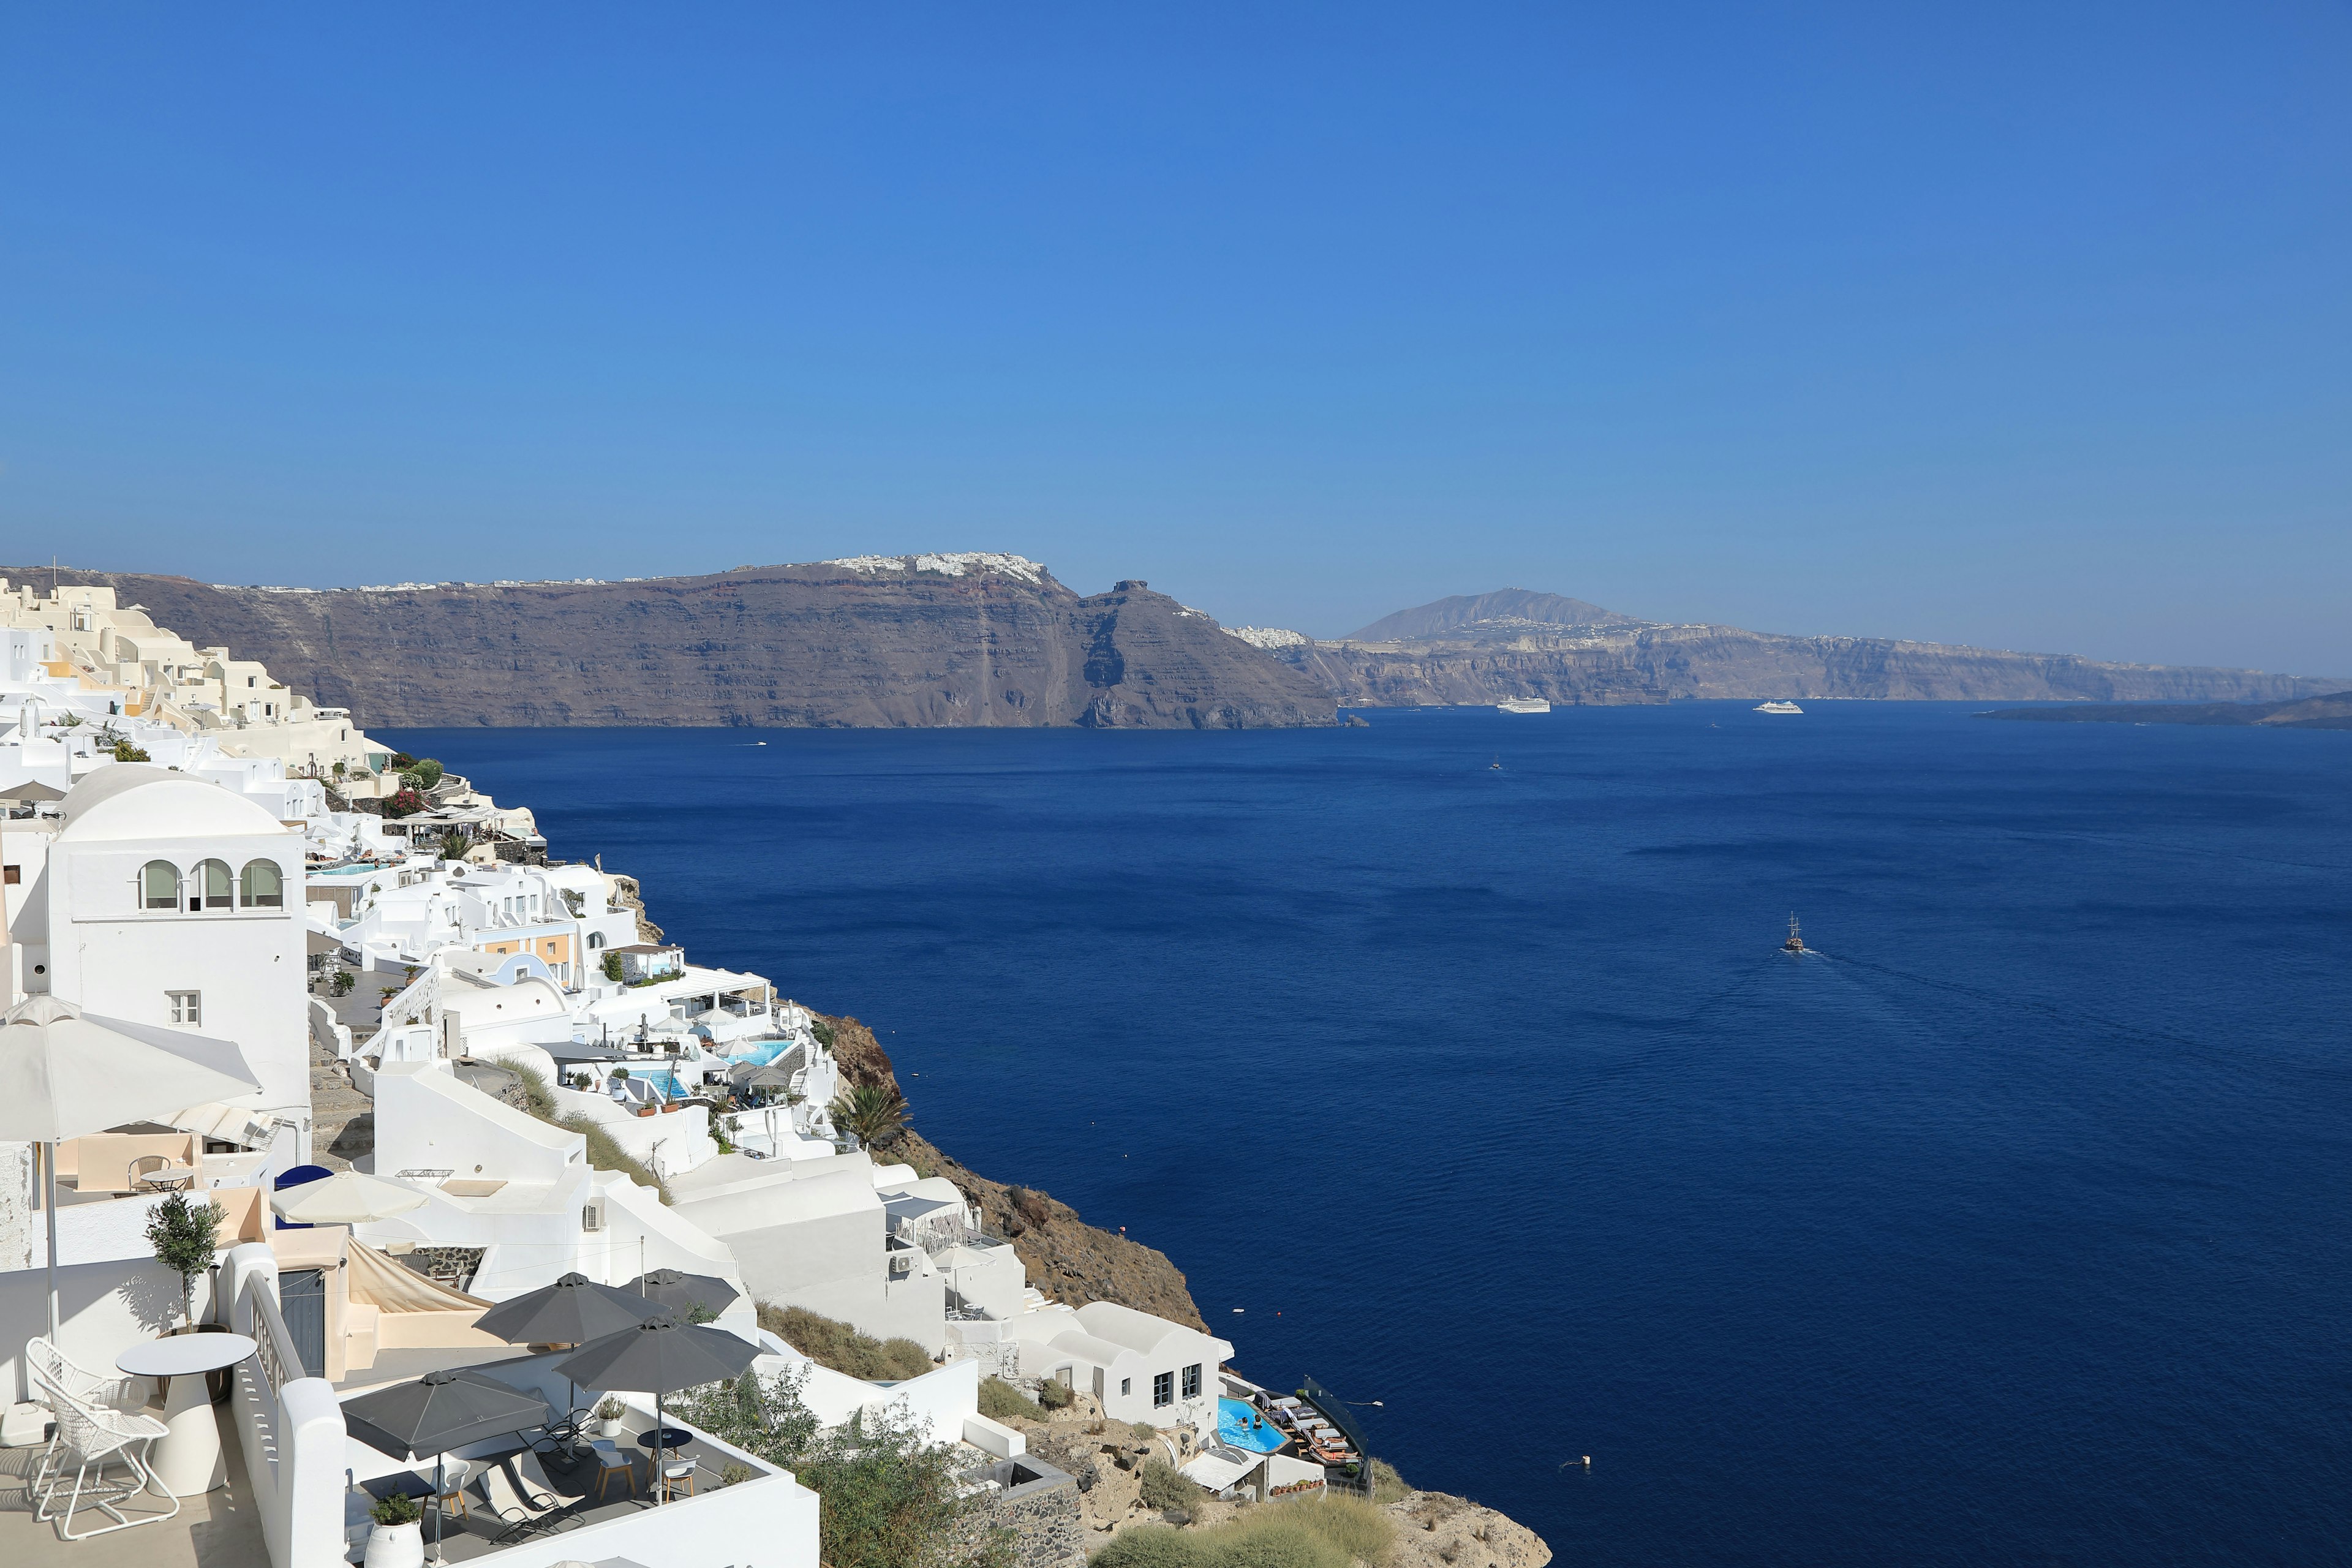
[427, 1119]
[103, 1309]
[113, 959]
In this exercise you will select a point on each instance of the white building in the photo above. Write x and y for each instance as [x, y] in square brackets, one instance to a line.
[160, 898]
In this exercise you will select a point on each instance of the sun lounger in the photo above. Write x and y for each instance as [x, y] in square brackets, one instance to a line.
[521, 1500]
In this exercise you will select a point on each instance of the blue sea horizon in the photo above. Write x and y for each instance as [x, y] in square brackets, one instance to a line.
[2008, 1226]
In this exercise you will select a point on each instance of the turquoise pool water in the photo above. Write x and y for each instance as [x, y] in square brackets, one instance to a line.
[1233, 1426]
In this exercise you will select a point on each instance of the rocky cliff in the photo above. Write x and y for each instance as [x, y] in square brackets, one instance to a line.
[1513, 643]
[1068, 1258]
[931, 640]
[2330, 712]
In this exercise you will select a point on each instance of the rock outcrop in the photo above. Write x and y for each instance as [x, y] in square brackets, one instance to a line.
[939, 641]
[1068, 1258]
[1437, 1530]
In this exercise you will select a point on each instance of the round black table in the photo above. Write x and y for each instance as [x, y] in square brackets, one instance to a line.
[669, 1438]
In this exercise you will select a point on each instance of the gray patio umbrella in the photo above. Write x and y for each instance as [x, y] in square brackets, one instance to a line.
[660, 1356]
[440, 1411]
[680, 1293]
[571, 1312]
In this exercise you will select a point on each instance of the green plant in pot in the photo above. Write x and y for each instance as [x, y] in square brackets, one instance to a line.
[398, 1539]
[183, 1235]
[608, 1416]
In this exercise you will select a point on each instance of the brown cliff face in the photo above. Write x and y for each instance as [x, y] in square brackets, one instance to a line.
[1068, 1258]
[822, 644]
[1615, 660]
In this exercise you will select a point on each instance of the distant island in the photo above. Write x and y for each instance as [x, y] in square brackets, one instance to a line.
[989, 640]
[2332, 711]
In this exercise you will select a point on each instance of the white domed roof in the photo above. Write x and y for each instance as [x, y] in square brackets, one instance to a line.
[132, 800]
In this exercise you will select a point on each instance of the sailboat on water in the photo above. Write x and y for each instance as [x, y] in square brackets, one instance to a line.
[1796, 943]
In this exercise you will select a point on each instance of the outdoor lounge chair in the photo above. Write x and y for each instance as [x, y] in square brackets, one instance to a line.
[521, 1501]
[93, 1438]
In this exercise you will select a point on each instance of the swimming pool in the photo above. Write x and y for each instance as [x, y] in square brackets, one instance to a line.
[664, 1081]
[1235, 1428]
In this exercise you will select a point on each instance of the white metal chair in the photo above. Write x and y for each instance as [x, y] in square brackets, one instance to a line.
[57, 1375]
[94, 1437]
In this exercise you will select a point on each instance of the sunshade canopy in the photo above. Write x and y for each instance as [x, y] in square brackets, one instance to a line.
[347, 1197]
[64, 1073]
[32, 791]
[571, 1312]
[440, 1411]
[660, 1356]
[677, 1291]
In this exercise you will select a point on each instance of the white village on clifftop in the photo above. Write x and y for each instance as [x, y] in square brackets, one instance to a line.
[511, 1193]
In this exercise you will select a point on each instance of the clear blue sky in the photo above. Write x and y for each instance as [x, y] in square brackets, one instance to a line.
[2023, 325]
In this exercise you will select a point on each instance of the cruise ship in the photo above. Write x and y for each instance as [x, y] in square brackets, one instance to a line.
[1778, 708]
[1524, 705]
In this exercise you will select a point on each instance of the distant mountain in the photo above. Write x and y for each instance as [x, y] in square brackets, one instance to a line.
[2332, 711]
[940, 641]
[1514, 643]
[1504, 614]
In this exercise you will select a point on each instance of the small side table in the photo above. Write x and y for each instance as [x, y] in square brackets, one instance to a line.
[186, 1460]
[170, 1179]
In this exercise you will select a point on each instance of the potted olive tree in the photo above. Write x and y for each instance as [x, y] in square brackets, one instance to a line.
[183, 1235]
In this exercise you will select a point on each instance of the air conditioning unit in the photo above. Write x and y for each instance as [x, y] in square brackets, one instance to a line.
[592, 1215]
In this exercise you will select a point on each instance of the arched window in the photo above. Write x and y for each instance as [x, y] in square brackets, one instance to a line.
[159, 885]
[595, 939]
[215, 889]
[264, 885]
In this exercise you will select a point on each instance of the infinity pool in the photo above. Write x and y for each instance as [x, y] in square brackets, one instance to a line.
[1235, 1427]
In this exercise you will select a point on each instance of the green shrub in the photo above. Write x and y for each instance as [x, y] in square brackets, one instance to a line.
[1055, 1395]
[611, 967]
[1152, 1546]
[397, 1509]
[124, 752]
[828, 1341]
[734, 1475]
[1388, 1487]
[1142, 1430]
[888, 1498]
[185, 1236]
[1000, 1401]
[822, 1030]
[1164, 1488]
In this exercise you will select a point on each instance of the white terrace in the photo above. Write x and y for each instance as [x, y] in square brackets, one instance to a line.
[298, 1486]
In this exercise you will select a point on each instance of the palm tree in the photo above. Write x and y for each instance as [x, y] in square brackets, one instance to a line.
[873, 1113]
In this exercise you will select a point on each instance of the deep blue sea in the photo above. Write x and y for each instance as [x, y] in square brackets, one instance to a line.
[2008, 1228]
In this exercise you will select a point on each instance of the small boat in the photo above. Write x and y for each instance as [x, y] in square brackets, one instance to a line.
[1778, 708]
[1497, 765]
[1795, 944]
[1523, 705]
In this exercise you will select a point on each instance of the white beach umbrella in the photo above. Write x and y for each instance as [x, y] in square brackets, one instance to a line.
[64, 1074]
[346, 1197]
